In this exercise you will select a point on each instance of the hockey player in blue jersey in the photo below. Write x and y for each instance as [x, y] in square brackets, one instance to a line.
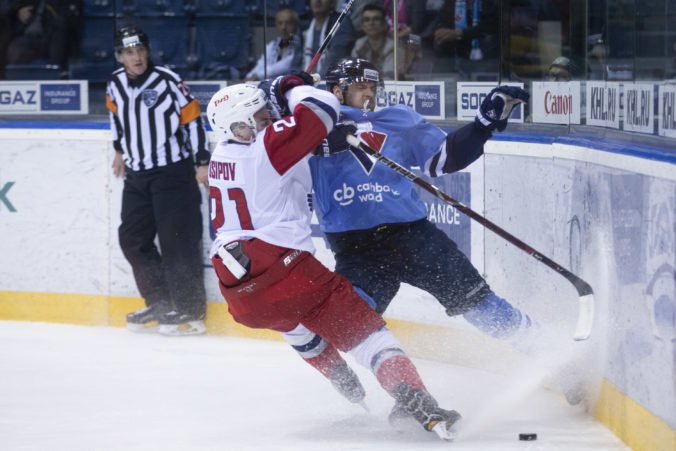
[376, 224]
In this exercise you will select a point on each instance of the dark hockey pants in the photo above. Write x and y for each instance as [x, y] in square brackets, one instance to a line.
[418, 253]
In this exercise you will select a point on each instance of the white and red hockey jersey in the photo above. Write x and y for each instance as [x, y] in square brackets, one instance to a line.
[259, 190]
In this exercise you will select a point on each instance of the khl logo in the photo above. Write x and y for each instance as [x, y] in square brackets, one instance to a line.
[3, 196]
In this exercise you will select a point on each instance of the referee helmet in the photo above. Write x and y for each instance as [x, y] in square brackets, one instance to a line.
[130, 36]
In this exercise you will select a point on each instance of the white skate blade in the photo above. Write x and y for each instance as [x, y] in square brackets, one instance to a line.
[179, 330]
[147, 328]
[364, 406]
[445, 431]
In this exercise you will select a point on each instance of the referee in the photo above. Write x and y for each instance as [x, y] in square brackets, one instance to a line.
[157, 130]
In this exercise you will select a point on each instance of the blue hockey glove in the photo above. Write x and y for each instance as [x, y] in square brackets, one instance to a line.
[498, 105]
[276, 89]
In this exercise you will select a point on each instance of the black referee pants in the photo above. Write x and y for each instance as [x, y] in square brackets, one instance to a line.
[165, 202]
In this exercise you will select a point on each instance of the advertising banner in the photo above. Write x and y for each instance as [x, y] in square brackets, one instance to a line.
[471, 94]
[554, 102]
[667, 111]
[455, 224]
[603, 104]
[204, 90]
[639, 113]
[425, 97]
[44, 97]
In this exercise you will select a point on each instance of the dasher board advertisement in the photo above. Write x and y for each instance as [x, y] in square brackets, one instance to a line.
[44, 97]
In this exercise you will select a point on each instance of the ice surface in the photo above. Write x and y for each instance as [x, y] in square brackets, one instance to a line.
[72, 388]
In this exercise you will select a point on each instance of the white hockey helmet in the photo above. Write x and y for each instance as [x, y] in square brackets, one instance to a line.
[234, 105]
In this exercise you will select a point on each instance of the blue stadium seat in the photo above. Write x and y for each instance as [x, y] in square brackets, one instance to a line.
[222, 40]
[103, 7]
[92, 72]
[96, 43]
[168, 39]
[158, 7]
[300, 6]
[34, 71]
[220, 7]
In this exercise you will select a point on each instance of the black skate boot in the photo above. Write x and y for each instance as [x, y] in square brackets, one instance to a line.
[176, 324]
[148, 318]
[423, 408]
[347, 383]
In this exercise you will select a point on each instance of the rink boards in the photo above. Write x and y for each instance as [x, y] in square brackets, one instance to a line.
[603, 210]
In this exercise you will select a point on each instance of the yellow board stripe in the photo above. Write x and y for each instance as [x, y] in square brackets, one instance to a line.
[631, 422]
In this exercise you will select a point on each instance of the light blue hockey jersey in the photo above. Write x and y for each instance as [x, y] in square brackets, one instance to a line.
[351, 192]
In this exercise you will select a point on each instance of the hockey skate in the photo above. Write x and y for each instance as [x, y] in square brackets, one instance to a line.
[177, 324]
[147, 319]
[347, 383]
[420, 406]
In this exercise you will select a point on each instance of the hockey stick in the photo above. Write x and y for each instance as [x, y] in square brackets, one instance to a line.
[329, 37]
[584, 290]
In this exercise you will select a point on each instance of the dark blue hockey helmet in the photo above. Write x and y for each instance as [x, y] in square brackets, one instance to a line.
[352, 70]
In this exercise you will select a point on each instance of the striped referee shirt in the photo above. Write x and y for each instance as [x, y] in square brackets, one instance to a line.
[154, 119]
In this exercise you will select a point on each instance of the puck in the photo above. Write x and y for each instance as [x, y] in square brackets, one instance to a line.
[528, 437]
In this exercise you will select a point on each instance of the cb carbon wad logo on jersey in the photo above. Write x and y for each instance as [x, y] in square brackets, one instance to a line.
[364, 192]
[149, 97]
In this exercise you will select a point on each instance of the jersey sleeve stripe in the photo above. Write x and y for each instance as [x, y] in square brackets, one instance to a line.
[323, 111]
[190, 112]
[434, 166]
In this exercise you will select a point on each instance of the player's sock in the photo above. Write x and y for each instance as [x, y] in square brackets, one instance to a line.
[498, 318]
[332, 365]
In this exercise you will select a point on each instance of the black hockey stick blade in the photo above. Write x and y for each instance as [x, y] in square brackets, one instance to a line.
[585, 292]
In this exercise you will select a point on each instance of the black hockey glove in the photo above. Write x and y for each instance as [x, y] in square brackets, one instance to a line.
[337, 139]
[276, 89]
[498, 105]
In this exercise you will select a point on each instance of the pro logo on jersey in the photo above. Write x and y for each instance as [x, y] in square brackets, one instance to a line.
[149, 97]
[376, 141]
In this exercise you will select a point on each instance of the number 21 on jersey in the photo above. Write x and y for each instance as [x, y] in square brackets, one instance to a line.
[235, 195]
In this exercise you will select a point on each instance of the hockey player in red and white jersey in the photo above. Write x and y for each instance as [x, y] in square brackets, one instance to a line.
[259, 179]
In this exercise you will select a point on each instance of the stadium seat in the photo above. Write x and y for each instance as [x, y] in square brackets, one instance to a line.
[96, 42]
[168, 39]
[222, 40]
[220, 7]
[96, 56]
[103, 7]
[300, 6]
[92, 72]
[158, 7]
[34, 71]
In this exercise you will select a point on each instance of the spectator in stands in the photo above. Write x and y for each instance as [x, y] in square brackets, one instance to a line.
[284, 53]
[423, 17]
[46, 30]
[157, 132]
[597, 54]
[355, 12]
[461, 28]
[377, 46]
[561, 69]
[324, 16]
[409, 41]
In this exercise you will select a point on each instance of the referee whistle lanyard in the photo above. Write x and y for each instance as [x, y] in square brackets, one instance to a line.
[461, 23]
